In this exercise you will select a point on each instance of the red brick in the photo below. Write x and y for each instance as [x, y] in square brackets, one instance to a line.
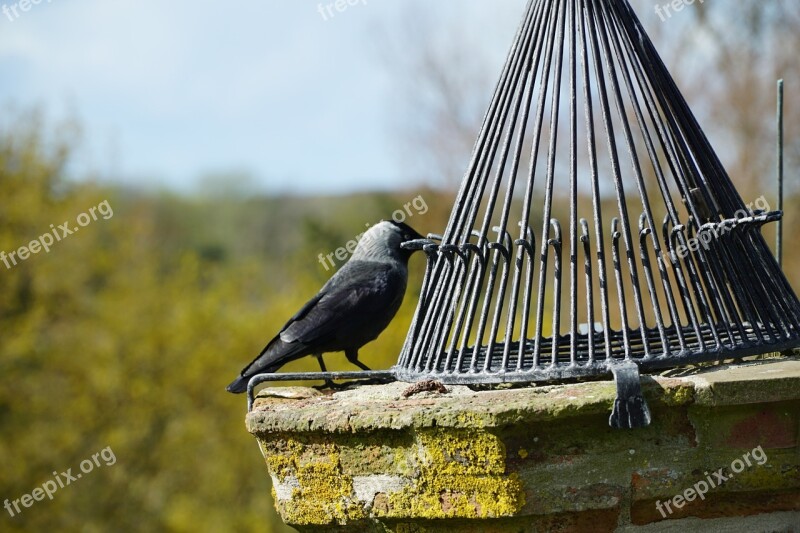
[769, 429]
[720, 505]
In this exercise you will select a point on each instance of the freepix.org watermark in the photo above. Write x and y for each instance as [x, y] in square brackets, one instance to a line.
[15, 10]
[56, 234]
[60, 481]
[712, 481]
[666, 10]
[417, 206]
[329, 10]
[705, 238]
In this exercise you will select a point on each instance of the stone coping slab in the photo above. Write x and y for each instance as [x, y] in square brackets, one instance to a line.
[396, 406]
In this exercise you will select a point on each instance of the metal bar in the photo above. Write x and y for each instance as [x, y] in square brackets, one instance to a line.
[476, 263]
[587, 265]
[779, 229]
[573, 190]
[258, 379]
[596, 199]
[548, 188]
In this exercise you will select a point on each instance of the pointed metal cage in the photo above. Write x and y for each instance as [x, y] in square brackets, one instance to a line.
[595, 227]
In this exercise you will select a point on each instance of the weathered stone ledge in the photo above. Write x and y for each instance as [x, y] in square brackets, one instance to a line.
[526, 459]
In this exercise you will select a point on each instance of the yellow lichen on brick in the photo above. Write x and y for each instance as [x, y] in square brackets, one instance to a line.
[281, 461]
[470, 420]
[461, 475]
[460, 451]
[323, 495]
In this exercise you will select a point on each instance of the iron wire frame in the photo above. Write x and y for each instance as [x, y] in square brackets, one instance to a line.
[693, 281]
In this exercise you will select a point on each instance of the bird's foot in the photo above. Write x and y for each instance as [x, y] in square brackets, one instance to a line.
[332, 385]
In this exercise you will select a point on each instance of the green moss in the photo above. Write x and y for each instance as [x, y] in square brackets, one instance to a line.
[678, 395]
[409, 528]
[764, 477]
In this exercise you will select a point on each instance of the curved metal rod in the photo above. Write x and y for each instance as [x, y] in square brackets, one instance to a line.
[258, 379]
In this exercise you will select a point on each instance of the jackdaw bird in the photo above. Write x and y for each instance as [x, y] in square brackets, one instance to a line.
[350, 310]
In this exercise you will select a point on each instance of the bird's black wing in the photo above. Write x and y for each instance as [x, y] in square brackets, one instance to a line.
[360, 293]
[304, 310]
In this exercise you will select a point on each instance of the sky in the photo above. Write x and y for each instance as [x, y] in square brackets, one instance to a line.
[294, 94]
[291, 93]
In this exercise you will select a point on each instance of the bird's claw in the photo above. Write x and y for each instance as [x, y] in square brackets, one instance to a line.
[331, 385]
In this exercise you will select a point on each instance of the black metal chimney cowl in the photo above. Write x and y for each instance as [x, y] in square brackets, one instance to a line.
[595, 231]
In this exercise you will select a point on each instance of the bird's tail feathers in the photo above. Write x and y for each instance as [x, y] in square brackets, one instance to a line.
[272, 357]
[239, 385]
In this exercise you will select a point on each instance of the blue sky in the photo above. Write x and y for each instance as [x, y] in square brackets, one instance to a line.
[169, 92]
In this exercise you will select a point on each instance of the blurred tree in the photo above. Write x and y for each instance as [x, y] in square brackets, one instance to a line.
[126, 333]
[725, 58]
[444, 83]
[113, 339]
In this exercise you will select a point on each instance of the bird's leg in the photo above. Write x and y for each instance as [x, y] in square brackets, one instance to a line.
[329, 384]
[352, 356]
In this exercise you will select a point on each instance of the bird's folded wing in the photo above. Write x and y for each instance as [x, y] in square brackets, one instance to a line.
[357, 291]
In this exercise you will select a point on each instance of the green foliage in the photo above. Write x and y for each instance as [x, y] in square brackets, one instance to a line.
[126, 333]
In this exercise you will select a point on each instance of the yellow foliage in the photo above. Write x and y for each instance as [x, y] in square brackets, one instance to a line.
[126, 333]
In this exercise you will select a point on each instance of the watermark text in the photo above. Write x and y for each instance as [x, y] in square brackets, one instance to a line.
[15, 10]
[712, 481]
[56, 234]
[417, 206]
[666, 10]
[329, 10]
[60, 480]
[706, 236]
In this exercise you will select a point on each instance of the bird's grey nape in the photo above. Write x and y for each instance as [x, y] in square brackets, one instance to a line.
[382, 242]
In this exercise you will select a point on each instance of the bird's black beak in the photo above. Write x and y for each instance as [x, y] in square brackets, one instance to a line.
[416, 244]
[420, 243]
